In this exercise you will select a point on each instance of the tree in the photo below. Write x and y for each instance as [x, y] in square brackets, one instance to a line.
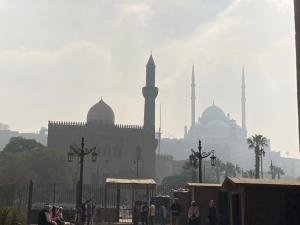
[219, 168]
[257, 142]
[33, 161]
[191, 166]
[230, 170]
[19, 144]
[278, 171]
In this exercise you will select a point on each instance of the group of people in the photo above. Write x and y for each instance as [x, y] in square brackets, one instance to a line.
[51, 215]
[194, 214]
[149, 214]
[87, 211]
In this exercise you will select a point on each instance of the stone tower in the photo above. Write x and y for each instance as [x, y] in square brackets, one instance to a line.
[243, 101]
[150, 93]
[193, 99]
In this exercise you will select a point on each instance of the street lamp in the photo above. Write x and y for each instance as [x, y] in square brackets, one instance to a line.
[198, 156]
[81, 153]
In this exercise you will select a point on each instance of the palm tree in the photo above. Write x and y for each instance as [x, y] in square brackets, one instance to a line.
[257, 142]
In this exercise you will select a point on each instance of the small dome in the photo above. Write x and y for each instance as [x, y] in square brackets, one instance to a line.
[213, 113]
[101, 113]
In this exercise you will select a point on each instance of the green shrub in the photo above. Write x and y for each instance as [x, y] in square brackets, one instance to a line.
[12, 216]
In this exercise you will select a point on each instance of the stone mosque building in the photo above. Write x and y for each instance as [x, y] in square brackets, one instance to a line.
[124, 151]
[220, 132]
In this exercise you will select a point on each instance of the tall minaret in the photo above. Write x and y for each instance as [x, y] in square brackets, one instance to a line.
[150, 93]
[243, 100]
[193, 98]
[149, 143]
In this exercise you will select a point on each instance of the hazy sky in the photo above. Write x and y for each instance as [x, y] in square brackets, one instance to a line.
[57, 58]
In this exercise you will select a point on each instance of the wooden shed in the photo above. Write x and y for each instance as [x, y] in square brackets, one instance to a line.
[263, 201]
[202, 193]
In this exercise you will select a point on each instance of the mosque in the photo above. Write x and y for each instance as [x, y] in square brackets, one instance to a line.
[124, 151]
[220, 132]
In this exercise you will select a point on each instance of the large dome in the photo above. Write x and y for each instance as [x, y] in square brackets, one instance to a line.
[101, 113]
[213, 113]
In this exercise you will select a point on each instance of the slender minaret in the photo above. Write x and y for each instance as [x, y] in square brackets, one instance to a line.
[159, 130]
[150, 93]
[243, 101]
[193, 98]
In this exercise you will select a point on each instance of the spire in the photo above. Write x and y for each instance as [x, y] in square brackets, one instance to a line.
[193, 98]
[243, 101]
[150, 61]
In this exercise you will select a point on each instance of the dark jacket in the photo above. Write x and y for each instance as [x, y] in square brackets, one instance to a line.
[42, 219]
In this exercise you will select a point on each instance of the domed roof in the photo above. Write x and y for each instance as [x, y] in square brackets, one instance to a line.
[213, 113]
[217, 124]
[101, 113]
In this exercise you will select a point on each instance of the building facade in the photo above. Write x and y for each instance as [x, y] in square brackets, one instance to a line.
[124, 151]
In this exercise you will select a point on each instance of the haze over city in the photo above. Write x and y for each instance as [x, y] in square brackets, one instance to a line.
[58, 58]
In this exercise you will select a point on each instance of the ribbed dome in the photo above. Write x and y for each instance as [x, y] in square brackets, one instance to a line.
[101, 113]
[213, 113]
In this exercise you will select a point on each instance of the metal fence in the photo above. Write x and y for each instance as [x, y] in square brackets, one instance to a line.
[37, 194]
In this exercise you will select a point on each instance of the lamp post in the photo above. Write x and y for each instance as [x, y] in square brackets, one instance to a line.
[81, 153]
[198, 156]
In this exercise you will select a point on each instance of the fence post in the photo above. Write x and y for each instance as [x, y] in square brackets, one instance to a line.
[54, 193]
[29, 205]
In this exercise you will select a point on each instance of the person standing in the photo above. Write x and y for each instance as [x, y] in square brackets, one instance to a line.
[89, 211]
[152, 213]
[135, 214]
[175, 212]
[162, 214]
[144, 213]
[83, 212]
[212, 213]
[193, 214]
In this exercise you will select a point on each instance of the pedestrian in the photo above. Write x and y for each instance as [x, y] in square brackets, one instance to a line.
[212, 213]
[152, 213]
[144, 213]
[44, 217]
[193, 214]
[89, 211]
[175, 212]
[162, 214]
[135, 214]
[83, 212]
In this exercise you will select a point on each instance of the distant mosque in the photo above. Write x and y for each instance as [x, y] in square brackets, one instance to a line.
[218, 131]
[125, 151]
